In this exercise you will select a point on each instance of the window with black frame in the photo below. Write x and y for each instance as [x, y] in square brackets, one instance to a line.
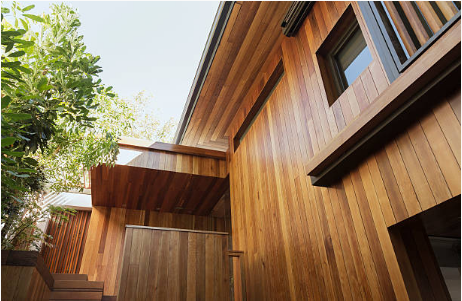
[351, 58]
[408, 27]
[343, 56]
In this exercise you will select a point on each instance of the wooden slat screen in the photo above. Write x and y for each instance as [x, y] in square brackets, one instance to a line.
[68, 243]
[410, 24]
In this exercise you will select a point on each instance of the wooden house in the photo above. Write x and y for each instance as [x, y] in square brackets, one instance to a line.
[318, 158]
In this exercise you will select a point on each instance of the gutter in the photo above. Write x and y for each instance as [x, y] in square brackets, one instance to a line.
[213, 41]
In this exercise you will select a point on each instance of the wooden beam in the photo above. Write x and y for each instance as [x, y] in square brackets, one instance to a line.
[176, 229]
[172, 148]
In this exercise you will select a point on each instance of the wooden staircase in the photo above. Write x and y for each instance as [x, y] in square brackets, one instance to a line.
[77, 287]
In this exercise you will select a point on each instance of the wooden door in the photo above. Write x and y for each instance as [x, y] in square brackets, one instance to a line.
[174, 264]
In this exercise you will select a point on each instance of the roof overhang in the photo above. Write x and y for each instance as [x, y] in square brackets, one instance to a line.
[243, 37]
[213, 40]
[162, 177]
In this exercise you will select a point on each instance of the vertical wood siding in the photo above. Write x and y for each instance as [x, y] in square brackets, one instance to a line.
[174, 265]
[102, 257]
[180, 163]
[23, 283]
[68, 243]
[316, 243]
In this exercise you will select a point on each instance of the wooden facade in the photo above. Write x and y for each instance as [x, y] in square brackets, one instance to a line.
[253, 27]
[102, 257]
[163, 177]
[25, 277]
[330, 243]
[176, 158]
[386, 152]
[167, 264]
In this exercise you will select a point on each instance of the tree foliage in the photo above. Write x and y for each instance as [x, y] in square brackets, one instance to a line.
[143, 120]
[58, 119]
[49, 87]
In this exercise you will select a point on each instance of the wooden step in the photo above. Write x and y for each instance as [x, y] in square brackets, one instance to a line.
[62, 276]
[109, 298]
[75, 295]
[94, 286]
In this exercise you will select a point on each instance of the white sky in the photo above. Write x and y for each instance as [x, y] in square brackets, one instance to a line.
[154, 46]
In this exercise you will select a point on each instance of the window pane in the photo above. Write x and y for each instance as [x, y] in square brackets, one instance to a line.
[353, 57]
[358, 65]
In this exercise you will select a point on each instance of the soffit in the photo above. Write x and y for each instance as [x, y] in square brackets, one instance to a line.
[140, 188]
[252, 31]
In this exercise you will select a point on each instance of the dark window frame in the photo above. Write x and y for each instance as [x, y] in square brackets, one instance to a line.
[387, 52]
[333, 56]
[332, 76]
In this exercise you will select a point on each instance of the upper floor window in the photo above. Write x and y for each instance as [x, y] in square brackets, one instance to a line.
[402, 30]
[343, 56]
[352, 58]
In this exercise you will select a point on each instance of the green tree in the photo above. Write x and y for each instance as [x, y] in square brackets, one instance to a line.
[144, 122]
[58, 119]
[49, 88]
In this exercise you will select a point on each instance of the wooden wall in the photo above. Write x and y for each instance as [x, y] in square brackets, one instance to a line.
[314, 243]
[174, 265]
[25, 276]
[252, 27]
[104, 246]
[182, 163]
[419, 266]
[68, 243]
[23, 283]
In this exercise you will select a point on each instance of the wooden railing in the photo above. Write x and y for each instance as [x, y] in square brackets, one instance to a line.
[411, 26]
[238, 292]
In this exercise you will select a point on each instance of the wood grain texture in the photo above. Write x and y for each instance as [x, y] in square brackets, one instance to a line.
[68, 243]
[152, 189]
[23, 283]
[160, 159]
[417, 260]
[252, 29]
[105, 240]
[25, 276]
[418, 76]
[144, 145]
[162, 265]
[311, 243]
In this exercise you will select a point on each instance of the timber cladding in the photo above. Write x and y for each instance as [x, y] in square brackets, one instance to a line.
[330, 243]
[64, 255]
[196, 164]
[25, 277]
[163, 177]
[102, 257]
[174, 265]
[253, 27]
[23, 283]
[151, 189]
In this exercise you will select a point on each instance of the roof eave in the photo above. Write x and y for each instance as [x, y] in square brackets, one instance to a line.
[213, 41]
